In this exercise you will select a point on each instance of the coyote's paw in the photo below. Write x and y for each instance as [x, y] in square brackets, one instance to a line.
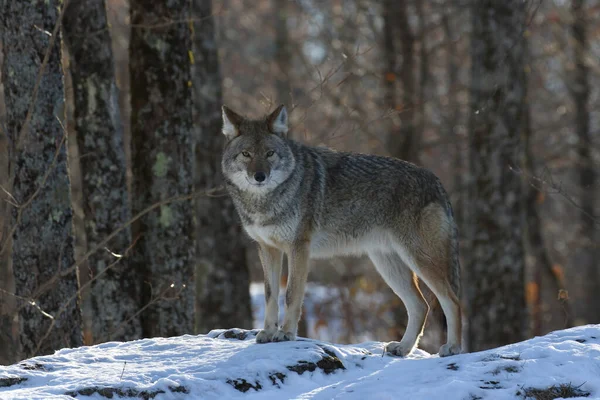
[398, 349]
[265, 336]
[281, 336]
[449, 350]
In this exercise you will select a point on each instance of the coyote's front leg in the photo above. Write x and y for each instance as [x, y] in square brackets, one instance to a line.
[294, 295]
[271, 259]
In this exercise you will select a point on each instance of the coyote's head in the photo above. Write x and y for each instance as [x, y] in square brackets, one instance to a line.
[256, 157]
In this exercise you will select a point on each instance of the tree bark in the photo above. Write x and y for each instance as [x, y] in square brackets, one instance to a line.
[402, 140]
[587, 255]
[541, 272]
[389, 50]
[283, 54]
[419, 98]
[8, 304]
[495, 263]
[452, 114]
[223, 281]
[42, 243]
[162, 159]
[115, 292]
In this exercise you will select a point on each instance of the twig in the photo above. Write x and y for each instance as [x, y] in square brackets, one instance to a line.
[31, 302]
[12, 201]
[538, 184]
[124, 365]
[153, 300]
[64, 306]
[50, 283]
[23, 206]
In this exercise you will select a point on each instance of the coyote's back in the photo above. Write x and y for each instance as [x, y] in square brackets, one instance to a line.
[314, 202]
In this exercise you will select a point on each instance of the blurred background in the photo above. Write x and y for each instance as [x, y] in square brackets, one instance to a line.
[499, 99]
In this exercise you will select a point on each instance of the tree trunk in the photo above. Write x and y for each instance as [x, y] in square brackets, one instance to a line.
[162, 159]
[283, 56]
[402, 141]
[419, 98]
[452, 115]
[389, 50]
[8, 304]
[42, 240]
[542, 274]
[545, 283]
[405, 145]
[495, 263]
[586, 257]
[115, 292]
[223, 281]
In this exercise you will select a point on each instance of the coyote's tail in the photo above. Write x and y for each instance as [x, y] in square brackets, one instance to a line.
[455, 262]
[454, 270]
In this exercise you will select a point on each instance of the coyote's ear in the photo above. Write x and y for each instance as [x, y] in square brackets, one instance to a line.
[278, 121]
[231, 123]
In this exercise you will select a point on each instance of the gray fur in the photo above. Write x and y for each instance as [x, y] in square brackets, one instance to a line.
[328, 203]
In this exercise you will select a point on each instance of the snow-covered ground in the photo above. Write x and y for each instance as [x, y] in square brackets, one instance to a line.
[230, 365]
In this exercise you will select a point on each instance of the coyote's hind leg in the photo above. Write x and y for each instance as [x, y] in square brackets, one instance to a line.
[403, 282]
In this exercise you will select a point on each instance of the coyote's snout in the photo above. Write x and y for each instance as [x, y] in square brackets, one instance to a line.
[314, 202]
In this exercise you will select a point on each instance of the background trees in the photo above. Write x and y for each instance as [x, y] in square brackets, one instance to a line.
[499, 100]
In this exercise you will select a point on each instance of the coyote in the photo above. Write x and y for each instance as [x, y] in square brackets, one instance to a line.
[315, 202]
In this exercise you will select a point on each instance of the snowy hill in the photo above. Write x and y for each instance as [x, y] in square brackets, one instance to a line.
[230, 365]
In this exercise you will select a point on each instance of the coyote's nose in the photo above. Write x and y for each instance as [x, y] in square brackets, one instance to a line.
[260, 176]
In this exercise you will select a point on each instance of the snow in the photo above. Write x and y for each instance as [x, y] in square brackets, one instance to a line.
[209, 366]
[326, 301]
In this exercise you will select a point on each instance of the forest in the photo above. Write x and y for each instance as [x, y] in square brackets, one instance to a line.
[114, 223]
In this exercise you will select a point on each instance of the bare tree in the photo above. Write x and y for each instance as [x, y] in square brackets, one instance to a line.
[588, 252]
[42, 243]
[495, 259]
[162, 159]
[223, 298]
[99, 132]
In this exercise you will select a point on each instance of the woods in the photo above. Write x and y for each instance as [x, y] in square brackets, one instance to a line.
[113, 221]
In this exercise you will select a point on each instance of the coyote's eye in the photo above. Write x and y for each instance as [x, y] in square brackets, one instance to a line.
[270, 153]
[246, 154]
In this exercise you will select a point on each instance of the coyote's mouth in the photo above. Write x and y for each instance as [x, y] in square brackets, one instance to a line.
[258, 184]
